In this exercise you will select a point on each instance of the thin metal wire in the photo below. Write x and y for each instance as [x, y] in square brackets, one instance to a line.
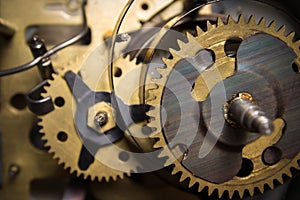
[53, 50]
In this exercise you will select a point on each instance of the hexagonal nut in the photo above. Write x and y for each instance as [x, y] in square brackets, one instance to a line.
[104, 108]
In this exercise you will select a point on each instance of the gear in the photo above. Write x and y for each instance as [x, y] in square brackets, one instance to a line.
[61, 134]
[62, 138]
[246, 161]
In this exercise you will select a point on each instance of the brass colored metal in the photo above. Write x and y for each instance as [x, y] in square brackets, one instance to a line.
[105, 108]
[6, 28]
[68, 152]
[16, 124]
[214, 38]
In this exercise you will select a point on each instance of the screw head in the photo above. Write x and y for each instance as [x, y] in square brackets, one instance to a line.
[101, 118]
[14, 169]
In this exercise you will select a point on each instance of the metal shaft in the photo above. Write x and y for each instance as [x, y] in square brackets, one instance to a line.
[250, 116]
[38, 48]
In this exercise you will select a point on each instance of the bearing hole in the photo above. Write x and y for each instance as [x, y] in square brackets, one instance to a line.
[62, 136]
[231, 46]
[117, 72]
[18, 101]
[59, 101]
[124, 156]
[145, 6]
[246, 169]
[295, 67]
[271, 155]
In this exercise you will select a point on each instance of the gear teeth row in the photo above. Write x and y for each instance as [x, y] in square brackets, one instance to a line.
[221, 190]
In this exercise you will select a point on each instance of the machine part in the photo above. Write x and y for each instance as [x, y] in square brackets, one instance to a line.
[53, 50]
[38, 48]
[240, 158]
[242, 111]
[63, 140]
[100, 118]
[88, 101]
[16, 119]
[36, 103]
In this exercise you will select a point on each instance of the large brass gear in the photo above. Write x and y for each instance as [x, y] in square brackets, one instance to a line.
[214, 38]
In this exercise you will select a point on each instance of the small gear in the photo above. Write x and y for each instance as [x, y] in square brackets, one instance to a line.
[213, 74]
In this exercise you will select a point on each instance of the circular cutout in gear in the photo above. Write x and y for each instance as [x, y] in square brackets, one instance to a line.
[241, 150]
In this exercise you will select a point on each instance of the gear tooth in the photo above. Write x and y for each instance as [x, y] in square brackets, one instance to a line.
[60, 162]
[201, 187]
[210, 190]
[291, 36]
[183, 177]
[92, 178]
[191, 183]
[262, 22]
[165, 60]
[251, 191]
[252, 20]
[271, 185]
[297, 165]
[260, 188]
[181, 44]
[281, 30]
[209, 26]
[241, 193]
[162, 71]
[288, 172]
[71, 170]
[220, 193]
[219, 22]
[297, 43]
[199, 31]
[121, 176]
[44, 138]
[173, 52]
[230, 193]
[190, 37]
[230, 20]
[280, 179]
[114, 177]
[151, 113]
[51, 151]
[40, 122]
[42, 130]
[164, 154]
[158, 144]
[175, 170]
[77, 173]
[241, 19]
[107, 178]
[272, 25]
[85, 176]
